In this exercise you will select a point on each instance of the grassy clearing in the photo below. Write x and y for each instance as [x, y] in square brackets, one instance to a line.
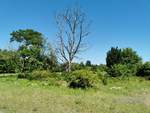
[23, 96]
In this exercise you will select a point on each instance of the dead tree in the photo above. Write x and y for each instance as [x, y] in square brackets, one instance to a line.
[72, 27]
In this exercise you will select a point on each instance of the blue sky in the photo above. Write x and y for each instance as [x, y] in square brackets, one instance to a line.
[122, 23]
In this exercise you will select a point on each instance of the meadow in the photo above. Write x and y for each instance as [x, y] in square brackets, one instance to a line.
[130, 95]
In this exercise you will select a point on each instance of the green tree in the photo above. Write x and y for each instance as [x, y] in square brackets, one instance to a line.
[88, 63]
[130, 57]
[31, 45]
[8, 61]
[113, 56]
[119, 70]
[125, 56]
[50, 59]
[82, 65]
[144, 70]
[120, 58]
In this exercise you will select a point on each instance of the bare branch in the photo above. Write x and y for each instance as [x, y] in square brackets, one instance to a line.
[72, 29]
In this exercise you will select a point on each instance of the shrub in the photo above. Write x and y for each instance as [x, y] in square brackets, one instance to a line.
[75, 66]
[82, 79]
[23, 75]
[102, 68]
[64, 76]
[134, 68]
[80, 82]
[144, 70]
[119, 70]
[39, 75]
[103, 75]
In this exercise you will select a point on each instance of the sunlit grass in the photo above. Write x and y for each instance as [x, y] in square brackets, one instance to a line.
[125, 96]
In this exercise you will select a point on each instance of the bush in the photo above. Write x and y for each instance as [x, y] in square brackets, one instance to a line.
[134, 68]
[75, 66]
[39, 75]
[102, 68]
[23, 75]
[119, 70]
[103, 75]
[144, 70]
[80, 82]
[82, 79]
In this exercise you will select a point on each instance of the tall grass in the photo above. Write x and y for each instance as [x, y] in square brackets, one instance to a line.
[119, 96]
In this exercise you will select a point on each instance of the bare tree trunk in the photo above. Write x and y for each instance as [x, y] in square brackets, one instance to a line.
[72, 29]
[69, 66]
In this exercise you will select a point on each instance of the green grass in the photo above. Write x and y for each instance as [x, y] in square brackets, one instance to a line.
[23, 96]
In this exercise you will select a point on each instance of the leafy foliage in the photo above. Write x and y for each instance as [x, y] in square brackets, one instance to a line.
[80, 82]
[8, 61]
[31, 46]
[27, 37]
[88, 63]
[39, 75]
[83, 79]
[119, 70]
[34, 52]
[144, 70]
[36, 75]
[23, 75]
[130, 57]
[50, 61]
[113, 56]
[125, 56]
[126, 59]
